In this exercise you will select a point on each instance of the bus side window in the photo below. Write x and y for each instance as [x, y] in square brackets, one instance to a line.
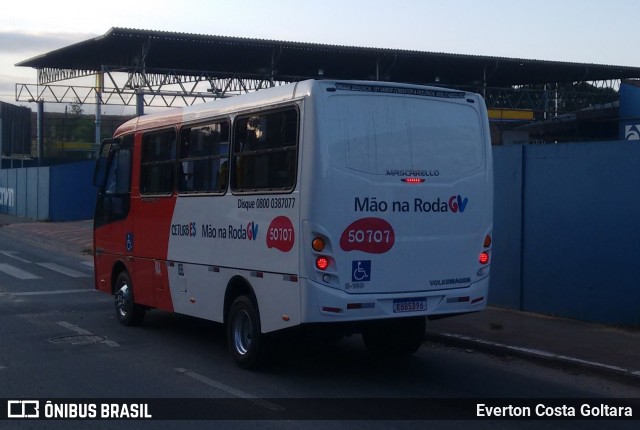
[265, 151]
[204, 155]
[119, 176]
[158, 162]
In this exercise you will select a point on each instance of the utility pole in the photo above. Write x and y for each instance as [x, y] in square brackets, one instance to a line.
[99, 89]
[40, 130]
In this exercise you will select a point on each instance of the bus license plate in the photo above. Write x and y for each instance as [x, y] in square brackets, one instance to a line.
[410, 305]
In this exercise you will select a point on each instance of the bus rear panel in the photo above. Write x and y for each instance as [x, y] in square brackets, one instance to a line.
[401, 193]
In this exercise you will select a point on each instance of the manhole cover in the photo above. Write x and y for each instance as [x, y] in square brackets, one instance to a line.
[78, 339]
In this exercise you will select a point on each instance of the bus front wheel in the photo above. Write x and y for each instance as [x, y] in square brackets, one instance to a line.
[127, 311]
[394, 337]
[247, 345]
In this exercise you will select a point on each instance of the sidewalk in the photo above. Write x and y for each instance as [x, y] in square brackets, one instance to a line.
[577, 345]
[581, 346]
[72, 236]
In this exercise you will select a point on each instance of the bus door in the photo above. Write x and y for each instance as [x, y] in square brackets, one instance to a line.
[112, 224]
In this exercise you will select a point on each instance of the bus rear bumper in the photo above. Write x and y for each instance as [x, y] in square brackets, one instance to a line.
[324, 304]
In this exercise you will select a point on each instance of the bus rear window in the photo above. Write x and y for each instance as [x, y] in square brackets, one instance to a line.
[382, 135]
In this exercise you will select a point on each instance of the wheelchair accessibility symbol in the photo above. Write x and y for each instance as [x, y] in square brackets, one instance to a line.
[129, 242]
[361, 270]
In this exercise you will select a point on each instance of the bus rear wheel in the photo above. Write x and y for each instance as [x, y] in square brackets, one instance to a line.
[395, 337]
[247, 345]
[127, 311]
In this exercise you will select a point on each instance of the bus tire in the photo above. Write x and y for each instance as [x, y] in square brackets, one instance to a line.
[395, 337]
[127, 311]
[247, 345]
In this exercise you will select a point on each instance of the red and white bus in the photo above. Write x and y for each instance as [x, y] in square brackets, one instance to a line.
[362, 206]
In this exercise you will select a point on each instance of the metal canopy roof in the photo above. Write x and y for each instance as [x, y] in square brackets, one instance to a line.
[132, 50]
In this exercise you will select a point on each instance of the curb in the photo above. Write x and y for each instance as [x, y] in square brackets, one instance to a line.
[620, 374]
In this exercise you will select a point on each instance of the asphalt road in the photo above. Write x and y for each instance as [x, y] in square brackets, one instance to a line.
[60, 339]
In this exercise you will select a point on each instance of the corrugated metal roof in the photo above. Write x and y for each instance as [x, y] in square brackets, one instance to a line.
[246, 57]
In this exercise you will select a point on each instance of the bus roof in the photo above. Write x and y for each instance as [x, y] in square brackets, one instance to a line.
[268, 96]
[215, 108]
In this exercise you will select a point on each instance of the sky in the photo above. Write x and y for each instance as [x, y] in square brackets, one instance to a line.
[584, 31]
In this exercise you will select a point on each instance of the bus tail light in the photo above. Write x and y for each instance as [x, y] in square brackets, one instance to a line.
[322, 263]
[317, 244]
[412, 180]
[487, 241]
[484, 257]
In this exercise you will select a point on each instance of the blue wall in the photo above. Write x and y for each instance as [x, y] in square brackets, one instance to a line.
[506, 271]
[24, 192]
[56, 193]
[572, 246]
[71, 193]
